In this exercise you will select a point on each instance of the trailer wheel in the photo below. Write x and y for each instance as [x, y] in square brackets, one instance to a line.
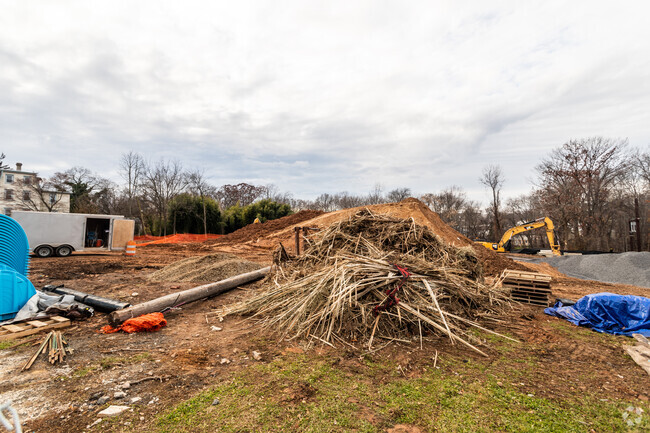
[43, 251]
[63, 251]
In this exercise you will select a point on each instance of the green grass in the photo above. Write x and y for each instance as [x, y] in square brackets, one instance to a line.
[112, 361]
[300, 393]
[7, 344]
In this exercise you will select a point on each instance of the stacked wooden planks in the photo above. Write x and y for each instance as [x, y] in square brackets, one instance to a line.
[528, 287]
[9, 332]
[53, 346]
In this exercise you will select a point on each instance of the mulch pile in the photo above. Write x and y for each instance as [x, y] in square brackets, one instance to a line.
[374, 276]
[212, 267]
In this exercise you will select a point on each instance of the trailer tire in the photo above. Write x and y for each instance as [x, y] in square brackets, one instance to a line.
[64, 251]
[44, 251]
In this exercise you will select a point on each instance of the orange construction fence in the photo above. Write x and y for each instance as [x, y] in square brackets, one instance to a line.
[173, 239]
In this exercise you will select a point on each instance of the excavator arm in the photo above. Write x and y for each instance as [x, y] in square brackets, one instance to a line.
[538, 223]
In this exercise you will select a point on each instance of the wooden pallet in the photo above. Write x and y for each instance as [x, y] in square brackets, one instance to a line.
[528, 277]
[17, 330]
[527, 287]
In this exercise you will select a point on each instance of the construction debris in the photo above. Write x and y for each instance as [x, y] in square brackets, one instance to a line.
[374, 276]
[16, 330]
[190, 295]
[640, 353]
[54, 346]
[146, 323]
[100, 303]
[113, 410]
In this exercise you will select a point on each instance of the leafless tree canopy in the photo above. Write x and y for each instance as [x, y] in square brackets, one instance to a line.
[3, 166]
[242, 193]
[492, 178]
[578, 184]
[162, 181]
[399, 194]
[41, 194]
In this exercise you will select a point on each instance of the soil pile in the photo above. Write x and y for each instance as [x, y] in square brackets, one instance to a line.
[375, 275]
[408, 209]
[625, 268]
[252, 232]
[208, 268]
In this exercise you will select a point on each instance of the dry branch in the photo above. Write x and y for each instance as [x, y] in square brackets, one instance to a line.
[332, 291]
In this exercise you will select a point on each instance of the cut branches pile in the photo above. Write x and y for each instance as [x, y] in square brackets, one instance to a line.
[374, 276]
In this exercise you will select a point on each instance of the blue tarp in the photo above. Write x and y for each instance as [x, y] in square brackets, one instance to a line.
[607, 312]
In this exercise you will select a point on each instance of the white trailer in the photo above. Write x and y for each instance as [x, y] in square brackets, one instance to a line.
[53, 233]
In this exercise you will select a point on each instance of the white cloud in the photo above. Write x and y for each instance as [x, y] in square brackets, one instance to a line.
[321, 97]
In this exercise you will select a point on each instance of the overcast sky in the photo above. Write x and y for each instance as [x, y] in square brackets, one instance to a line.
[321, 96]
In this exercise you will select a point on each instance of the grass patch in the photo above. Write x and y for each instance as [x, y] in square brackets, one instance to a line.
[84, 371]
[112, 361]
[7, 344]
[310, 394]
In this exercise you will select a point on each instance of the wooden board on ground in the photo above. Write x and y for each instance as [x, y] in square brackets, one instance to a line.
[17, 330]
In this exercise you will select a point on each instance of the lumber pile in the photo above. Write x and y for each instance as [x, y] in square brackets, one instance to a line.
[527, 287]
[22, 329]
[374, 276]
[53, 346]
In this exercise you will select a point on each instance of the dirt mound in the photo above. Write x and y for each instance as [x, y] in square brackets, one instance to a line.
[212, 267]
[493, 263]
[252, 232]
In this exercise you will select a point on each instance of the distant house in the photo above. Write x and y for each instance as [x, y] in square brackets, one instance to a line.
[24, 190]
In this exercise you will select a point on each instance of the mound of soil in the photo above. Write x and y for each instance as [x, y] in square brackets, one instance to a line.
[253, 232]
[493, 263]
[212, 267]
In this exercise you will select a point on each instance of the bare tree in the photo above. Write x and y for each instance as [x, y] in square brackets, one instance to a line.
[131, 170]
[641, 160]
[376, 195]
[162, 182]
[242, 193]
[492, 178]
[2, 165]
[398, 194]
[198, 185]
[448, 203]
[39, 194]
[577, 185]
[325, 202]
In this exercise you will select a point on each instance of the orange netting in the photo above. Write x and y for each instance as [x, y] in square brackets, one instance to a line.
[174, 239]
[147, 322]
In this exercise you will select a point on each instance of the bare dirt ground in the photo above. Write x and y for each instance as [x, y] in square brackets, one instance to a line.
[191, 354]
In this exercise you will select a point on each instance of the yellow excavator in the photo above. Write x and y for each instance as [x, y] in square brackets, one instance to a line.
[504, 243]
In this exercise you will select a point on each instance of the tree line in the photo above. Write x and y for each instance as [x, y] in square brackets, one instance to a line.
[592, 188]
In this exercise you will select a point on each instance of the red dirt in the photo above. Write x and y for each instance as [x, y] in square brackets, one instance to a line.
[253, 232]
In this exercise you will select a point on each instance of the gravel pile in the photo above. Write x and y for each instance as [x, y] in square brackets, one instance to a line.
[625, 268]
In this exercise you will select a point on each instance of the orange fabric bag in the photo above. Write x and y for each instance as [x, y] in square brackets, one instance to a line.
[147, 322]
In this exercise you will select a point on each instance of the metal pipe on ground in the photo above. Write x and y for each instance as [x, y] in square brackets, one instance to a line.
[194, 294]
[99, 303]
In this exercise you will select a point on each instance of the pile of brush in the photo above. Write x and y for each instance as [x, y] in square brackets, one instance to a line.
[374, 276]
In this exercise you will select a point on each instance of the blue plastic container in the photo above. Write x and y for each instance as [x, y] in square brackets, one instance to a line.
[14, 247]
[15, 291]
